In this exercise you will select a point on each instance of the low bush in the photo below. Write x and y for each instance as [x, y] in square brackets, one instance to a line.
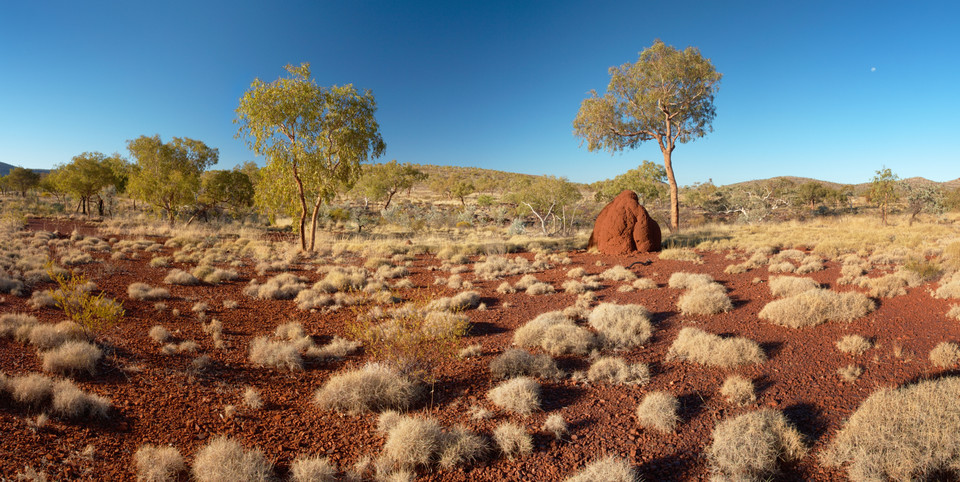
[180, 277]
[17, 326]
[658, 410]
[158, 464]
[607, 469]
[373, 387]
[72, 357]
[784, 286]
[681, 254]
[698, 346]
[143, 291]
[907, 433]
[850, 373]
[520, 395]
[251, 398]
[312, 469]
[813, 307]
[738, 390]
[556, 334]
[223, 459]
[69, 401]
[284, 286]
[516, 362]
[685, 281]
[512, 440]
[275, 354]
[618, 273]
[617, 371]
[621, 326]
[854, 344]
[708, 299]
[46, 336]
[555, 425]
[750, 446]
[945, 355]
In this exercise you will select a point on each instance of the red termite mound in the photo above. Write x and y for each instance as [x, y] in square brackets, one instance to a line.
[625, 227]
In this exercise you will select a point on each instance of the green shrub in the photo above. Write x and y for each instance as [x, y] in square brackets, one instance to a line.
[92, 313]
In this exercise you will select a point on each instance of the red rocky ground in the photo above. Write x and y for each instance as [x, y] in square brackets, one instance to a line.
[159, 399]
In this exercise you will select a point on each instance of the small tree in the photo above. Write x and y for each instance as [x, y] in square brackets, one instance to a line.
[22, 180]
[454, 185]
[314, 139]
[167, 176]
[883, 191]
[923, 199]
[546, 197]
[85, 176]
[51, 183]
[648, 181]
[811, 193]
[380, 182]
[224, 189]
[666, 95]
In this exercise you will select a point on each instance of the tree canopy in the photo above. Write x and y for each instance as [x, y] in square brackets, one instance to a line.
[666, 95]
[314, 139]
[545, 197]
[883, 191]
[167, 175]
[85, 175]
[380, 182]
[647, 181]
[21, 180]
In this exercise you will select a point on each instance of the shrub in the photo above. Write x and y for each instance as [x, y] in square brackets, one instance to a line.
[525, 282]
[607, 469]
[621, 326]
[945, 354]
[577, 272]
[251, 398]
[143, 291]
[555, 425]
[520, 395]
[813, 307]
[371, 388]
[516, 362]
[698, 346]
[275, 353]
[470, 351]
[738, 390]
[69, 401]
[906, 433]
[783, 286]
[682, 280]
[681, 254]
[617, 371]
[705, 300]
[312, 469]
[749, 446]
[954, 312]
[512, 440]
[618, 273]
[32, 389]
[412, 441]
[644, 284]
[160, 262]
[658, 410]
[505, 288]
[531, 333]
[854, 344]
[72, 357]
[850, 373]
[540, 288]
[91, 312]
[564, 338]
[17, 325]
[460, 446]
[948, 289]
[42, 299]
[46, 336]
[180, 277]
[223, 459]
[284, 286]
[158, 464]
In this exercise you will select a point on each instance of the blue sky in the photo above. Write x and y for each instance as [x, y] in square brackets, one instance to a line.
[831, 90]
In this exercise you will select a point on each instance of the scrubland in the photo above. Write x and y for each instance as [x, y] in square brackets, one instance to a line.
[819, 350]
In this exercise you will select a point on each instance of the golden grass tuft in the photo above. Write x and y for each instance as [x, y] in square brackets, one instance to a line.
[223, 459]
[158, 464]
[850, 373]
[684, 281]
[750, 446]
[516, 362]
[617, 371]
[621, 326]
[519, 395]
[373, 387]
[785, 286]
[738, 390]
[681, 254]
[945, 355]
[312, 469]
[813, 307]
[658, 410]
[854, 344]
[698, 346]
[512, 440]
[907, 433]
[72, 357]
[708, 299]
[607, 469]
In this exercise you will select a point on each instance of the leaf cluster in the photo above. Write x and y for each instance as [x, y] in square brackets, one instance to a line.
[93, 313]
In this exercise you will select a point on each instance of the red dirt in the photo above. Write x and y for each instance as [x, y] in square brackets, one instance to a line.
[157, 399]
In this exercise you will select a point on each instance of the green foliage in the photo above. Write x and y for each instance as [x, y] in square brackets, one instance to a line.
[647, 181]
[485, 200]
[666, 95]
[883, 191]
[21, 180]
[920, 199]
[926, 269]
[380, 182]
[93, 313]
[86, 175]
[314, 139]
[455, 186]
[812, 193]
[231, 190]
[167, 175]
[545, 197]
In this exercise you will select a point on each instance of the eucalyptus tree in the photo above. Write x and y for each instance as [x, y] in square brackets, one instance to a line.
[545, 197]
[647, 181]
[314, 138]
[380, 182]
[883, 191]
[85, 176]
[22, 180]
[221, 189]
[167, 175]
[666, 95]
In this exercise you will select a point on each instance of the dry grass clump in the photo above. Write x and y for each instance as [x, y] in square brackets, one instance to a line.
[556, 334]
[275, 353]
[854, 344]
[373, 387]
[42, 299]
[813, 307]
[72, 357]
[214, 276]
[784, 286]
[708, 299]
[516, 362]
[908, 433]
[850, 373]
[143, 291]
[555, 424]
[160, 262]
[658, 410]
[251, 398]
[223, 459]
[750, 446]
[283, 286]
[420, 442]
[681, 254]
[520, 395]
[949, 287]
[644, 284]
[577, 272]
[621, 326]
[158, 464]
[607, 469]
[45, 336]
[698, 346]
[180, 277]
[618, 273]
[738, 390]
[540, 288]
[69, 401]
[683, 280]
[470, 351]
[512, 440]
[954, 312]
[506, 288]
[495, 267]
[466, 300]
[17, 326]
[945, 354]
[617, 371]
[312, 469]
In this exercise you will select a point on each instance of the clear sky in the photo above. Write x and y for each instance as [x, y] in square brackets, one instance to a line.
[825, 89]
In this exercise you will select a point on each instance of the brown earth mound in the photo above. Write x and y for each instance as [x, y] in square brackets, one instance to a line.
[625, 227]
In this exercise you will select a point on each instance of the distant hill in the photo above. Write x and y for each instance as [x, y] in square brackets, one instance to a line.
[793, 179]
[6, 168]
[913, 181]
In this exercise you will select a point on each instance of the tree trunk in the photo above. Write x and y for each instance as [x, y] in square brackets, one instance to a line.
[313, 221]
[674, 192]
[303, 208]
[389, 198]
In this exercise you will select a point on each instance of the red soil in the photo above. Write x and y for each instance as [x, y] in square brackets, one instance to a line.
[159, 400]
